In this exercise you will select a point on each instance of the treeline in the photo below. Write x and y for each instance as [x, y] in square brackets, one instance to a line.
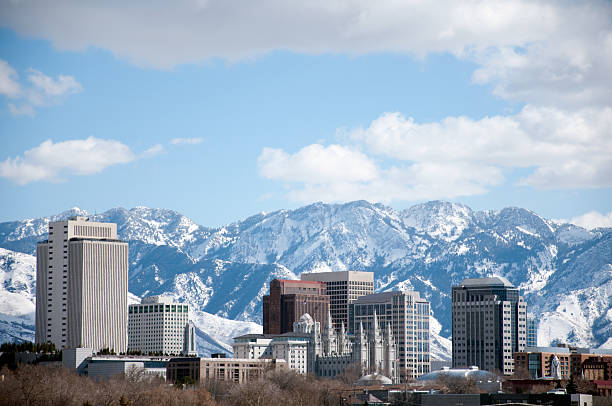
[33, 385]
[27, 346]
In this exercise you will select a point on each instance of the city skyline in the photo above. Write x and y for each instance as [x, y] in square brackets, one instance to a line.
[486, 104]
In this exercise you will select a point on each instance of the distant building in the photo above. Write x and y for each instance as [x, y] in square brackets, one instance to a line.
[288, 300]
[343, 288]
[221, 369]
[489, 324]
[158, 325]
[592, 363]
[189, 341]
[85, 362]
[407, 314]
[291, 347]
[376, 351]
[532, 331]
[538, 361]
[81, 286]
[330, 352]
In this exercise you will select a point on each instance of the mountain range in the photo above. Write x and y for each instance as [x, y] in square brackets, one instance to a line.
[564, 271]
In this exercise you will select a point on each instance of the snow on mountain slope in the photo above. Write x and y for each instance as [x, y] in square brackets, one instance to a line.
[17, 283]
[428, 247]
[17, 308]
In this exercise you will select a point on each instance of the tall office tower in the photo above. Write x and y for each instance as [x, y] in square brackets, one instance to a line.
[408, 315]
[289, 300]
[532, 331]
[81, 286]
[343, 288]
[157, 325]
[489, 324]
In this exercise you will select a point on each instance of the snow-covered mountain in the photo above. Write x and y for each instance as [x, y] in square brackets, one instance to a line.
[564, 271]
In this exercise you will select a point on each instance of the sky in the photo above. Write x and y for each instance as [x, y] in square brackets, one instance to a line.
[220, 110]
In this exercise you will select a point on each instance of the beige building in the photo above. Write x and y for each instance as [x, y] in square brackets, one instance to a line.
[489, 324]
[343, 288]
[157, 325]
[222, 369]
[81, 286]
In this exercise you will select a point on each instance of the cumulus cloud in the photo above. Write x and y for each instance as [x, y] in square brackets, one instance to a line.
[545, 52]
[189, 141]
[317, 164]
[43, 90]
[396, 158]
[592, 219]
[50, 161]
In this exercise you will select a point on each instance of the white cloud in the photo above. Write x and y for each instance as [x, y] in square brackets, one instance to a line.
[44, 90]
[189, 141]
[54, 87]
[154, 150]
[546, 52]
[9, 86]
[592, 219]
[317, 164]
[396, 158]
[49, 161]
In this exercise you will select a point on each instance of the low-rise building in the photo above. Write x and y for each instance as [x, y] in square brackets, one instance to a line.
[223, 369]
[539, 361]
[592, 364]
[291, 347]
[84, 362]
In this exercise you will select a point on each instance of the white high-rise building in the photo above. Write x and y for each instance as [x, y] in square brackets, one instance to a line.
[157, 325]
[81, 286]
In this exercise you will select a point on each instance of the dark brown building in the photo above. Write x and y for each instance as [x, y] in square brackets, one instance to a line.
[289, 300]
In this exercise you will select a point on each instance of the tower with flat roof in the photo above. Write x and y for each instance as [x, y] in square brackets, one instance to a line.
[343, 288]
[81, 286]
[289, 300]
[489, 324]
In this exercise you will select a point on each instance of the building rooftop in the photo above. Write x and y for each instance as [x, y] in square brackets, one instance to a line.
[384, 297]
[552, 350]
[299, 281]
[496, 281]
[474, 373]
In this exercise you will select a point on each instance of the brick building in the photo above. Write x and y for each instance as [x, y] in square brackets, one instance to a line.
[289, 300]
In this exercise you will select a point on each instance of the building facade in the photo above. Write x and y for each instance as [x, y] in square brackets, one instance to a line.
[489, 321]
[343, 288]
[532, 331]
[81, 286]
[375, 351]
[408, 316]
[288, 300]
[291, 347]
[223, 369]
[592, 364]
[157, 325]
[539, 361]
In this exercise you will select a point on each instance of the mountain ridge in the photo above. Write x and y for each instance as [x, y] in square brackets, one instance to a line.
[428, 247]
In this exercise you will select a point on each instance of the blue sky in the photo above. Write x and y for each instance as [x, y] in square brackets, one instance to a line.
[220, 113]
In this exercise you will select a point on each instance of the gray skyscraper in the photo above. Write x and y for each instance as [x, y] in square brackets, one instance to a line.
[81, 286]
[489, 324]
[408, 315]
[343, 288]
